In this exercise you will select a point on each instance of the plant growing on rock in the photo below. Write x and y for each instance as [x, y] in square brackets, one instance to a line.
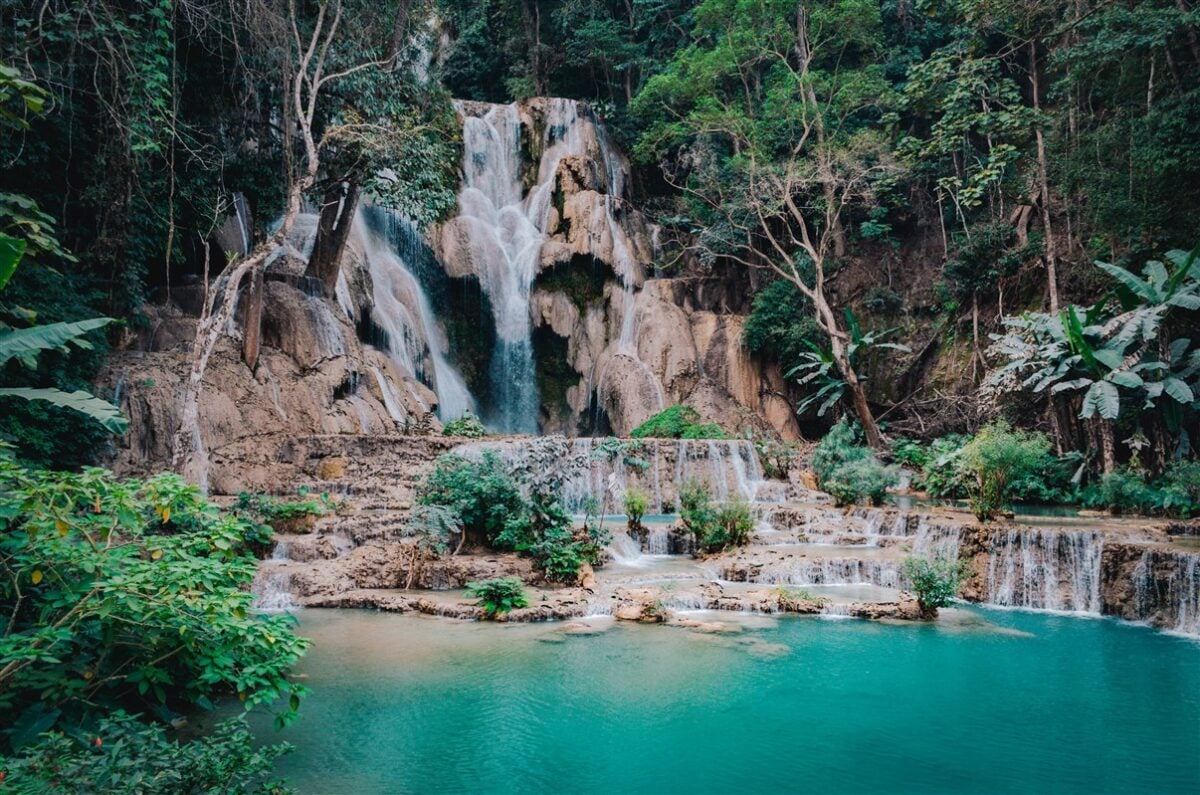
[935, 582]
[715, 526]
[997, 458]
[482, 493]
[678, 422]
[848, 471]
[498, 596]
[430, 527]
[635, 503]
[468, 425]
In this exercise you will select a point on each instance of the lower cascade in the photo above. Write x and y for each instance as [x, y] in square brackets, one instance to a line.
[800, 540]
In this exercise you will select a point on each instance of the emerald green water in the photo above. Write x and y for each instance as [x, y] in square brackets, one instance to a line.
[988, 701]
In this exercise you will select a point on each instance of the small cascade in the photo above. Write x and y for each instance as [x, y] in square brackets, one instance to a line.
[272, 589]
[1167, 590]
[626, 551]
[658, 542]
[1044, 569]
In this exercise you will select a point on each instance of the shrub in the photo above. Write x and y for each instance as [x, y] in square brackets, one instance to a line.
[483, 494]
[997, 458]
[910, 453]
[678, 422]
[467, 425]
[498, 596]
[837, 447]
[1179, 489]
[127, 594]
[855, 481]
[636, 502]
[123, 754]
[849, 471]
[1176, 492]
[942, 475]
[714, 526]
[935, 582]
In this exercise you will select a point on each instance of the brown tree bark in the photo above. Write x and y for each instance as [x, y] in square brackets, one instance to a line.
[1044, 186]
[252, 333]
[333, 230]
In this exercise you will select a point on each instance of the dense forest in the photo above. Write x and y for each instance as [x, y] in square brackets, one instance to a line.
[955, 225]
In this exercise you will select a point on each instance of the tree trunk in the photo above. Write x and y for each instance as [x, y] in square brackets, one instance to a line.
[252, 332]
[333, 230]
[1108, 449]
[1044, 186]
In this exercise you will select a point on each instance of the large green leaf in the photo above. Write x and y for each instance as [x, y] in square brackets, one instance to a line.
[11, 251]
[1125, 378]
[100, 410]
[1102, 398]
[26, 343]
[1134, 284]
[1178, 389]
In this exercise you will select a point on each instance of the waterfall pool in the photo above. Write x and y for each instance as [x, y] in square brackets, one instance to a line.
[983, 701]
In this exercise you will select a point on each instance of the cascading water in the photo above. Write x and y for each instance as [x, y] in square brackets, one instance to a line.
[401, 310]
[1045, 569]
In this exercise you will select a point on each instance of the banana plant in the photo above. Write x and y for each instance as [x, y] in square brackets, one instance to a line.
[818, 367]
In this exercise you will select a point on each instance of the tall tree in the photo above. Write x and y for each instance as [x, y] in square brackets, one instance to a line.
[769, 124]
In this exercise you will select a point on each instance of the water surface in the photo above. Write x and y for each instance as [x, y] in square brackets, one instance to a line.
[988, 701]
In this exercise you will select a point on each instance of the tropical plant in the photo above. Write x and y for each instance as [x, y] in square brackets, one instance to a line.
[996, 459]
[120, 753]
[498, 596]
[482, 493]
[635, 503]
[1096, 352]
[863, 479]
[935, 582]
[467, 425]
[126, 594]
[837, 447]
[819, 369]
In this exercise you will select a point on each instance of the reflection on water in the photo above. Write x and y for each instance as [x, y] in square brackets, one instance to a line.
[986, 701]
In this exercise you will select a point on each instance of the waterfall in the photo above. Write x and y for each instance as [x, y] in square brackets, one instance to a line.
[1167, 590]
[401, 310]
[1044, 569]
[272, 590]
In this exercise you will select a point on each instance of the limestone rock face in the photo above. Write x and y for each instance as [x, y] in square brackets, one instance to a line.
[313, 377]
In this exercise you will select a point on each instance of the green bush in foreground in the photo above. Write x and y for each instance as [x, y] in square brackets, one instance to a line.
[121, 754]
[935, 582]
[498, 596]
[997, 458]
[128, 595]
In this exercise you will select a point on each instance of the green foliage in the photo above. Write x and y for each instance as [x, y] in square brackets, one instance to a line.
[1175, 493]
[129, 595]
[910, 452]
[818, 369]
[996, 459]
[635, 502]
[678, 422]
[482, 493]
[122, 754]
[935, 582]
[714, 526]
[781, 325]
[499, 596]
[839, 446]
[863, 479]
[849, 471]
[942, 475]
[467, 425]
